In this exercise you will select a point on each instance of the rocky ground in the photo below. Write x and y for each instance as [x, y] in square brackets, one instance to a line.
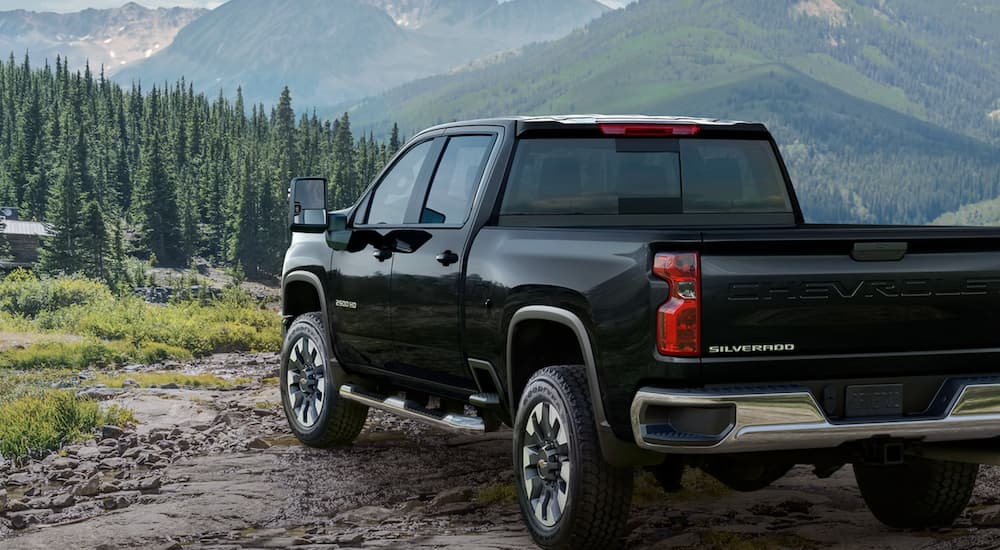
[217, 469]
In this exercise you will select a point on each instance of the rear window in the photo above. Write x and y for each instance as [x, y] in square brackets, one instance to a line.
[602, 176]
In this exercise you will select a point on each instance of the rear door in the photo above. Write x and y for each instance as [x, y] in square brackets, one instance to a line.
[426, 281]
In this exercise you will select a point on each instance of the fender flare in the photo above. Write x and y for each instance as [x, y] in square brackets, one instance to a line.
[615, 450]
[301, 276]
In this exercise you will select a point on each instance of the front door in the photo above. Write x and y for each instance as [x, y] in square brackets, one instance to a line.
[359, 277]
[427, 282]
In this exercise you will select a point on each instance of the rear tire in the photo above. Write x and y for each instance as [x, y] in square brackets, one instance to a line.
[570, 498]
[316, 413]
[918, 494]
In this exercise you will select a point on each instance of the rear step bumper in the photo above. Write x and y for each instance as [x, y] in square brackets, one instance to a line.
[789, 418]
[414, 411]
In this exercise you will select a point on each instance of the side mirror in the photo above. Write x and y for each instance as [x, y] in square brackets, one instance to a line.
[307, 205]
[338, 236]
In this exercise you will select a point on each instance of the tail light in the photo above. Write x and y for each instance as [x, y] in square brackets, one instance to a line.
[678, 320]
[649, 130]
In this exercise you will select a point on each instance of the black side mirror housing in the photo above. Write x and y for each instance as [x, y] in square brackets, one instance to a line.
[338, 236]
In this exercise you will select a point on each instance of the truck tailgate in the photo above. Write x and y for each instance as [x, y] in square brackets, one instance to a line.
[836, 291]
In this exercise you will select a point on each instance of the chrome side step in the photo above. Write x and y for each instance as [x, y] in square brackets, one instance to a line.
[413, 410]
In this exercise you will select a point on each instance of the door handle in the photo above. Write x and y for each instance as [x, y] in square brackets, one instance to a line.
[447, 258]
[382, 254]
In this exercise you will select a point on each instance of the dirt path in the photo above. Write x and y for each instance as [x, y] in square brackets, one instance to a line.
[216, 469]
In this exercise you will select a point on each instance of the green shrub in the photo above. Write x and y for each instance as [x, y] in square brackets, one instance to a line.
[88, 353]
[24, 294]
[35, 424]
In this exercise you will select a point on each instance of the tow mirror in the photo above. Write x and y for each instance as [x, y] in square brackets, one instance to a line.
[307, 205]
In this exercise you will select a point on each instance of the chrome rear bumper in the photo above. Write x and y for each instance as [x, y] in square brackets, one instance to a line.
[787, 418]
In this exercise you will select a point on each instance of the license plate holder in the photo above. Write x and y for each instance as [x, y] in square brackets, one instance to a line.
[873, 400]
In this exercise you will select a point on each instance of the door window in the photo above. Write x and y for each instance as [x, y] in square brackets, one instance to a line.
[392, 195]
[456, 179]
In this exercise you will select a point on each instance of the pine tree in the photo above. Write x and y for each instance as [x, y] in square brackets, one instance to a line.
[155, 203]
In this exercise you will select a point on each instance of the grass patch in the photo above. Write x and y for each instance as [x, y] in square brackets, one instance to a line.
[77, 323]
[498, 494]
[88, 353]
[745, 541]
[33, 425]
[150, 379]
[695, 484]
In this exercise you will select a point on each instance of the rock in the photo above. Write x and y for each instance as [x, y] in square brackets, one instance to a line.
[18, 505]
[158, 435]
[365, 515]
[23, 520]
[111, 487]
[88, 453]
[129, 383]
[21, 478]
[99, 394]
[117, 501]
[33, 492]
[87, 468]
[3, 500]
[113, 463]
[64, 463]
[151, 483]
[111, 432]
[451, 496]
[987, 517]
[108, 450]
[171, 546]
[262, 412]
[89, 488]
[63, 500]
[170, 386]
[258, 443]
[132, 453]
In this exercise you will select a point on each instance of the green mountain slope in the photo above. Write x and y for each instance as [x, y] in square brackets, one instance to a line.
[881, 110]
[330, 51]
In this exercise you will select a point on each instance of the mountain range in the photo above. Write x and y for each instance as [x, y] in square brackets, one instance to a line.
[112, 38]
[886, 110]
[328, 51]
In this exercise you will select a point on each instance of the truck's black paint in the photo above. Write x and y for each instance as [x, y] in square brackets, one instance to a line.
[924, 308]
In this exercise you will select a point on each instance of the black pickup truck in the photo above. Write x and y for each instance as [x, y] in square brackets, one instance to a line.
[630, 292]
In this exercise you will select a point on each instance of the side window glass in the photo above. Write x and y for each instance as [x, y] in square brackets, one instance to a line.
[456, 179]
[388, 205]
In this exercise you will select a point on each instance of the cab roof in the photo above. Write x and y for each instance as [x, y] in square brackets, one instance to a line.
[593, 121]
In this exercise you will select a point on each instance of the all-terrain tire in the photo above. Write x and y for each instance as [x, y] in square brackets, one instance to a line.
[918, 494]
[339, 421]
[598, 495]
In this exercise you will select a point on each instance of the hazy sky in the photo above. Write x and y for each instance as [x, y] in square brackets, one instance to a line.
[77, 5]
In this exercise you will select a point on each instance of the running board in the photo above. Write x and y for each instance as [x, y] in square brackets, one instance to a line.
[413, 410]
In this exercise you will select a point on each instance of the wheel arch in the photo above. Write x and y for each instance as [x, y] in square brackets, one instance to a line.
[615, 451]
[302, 292]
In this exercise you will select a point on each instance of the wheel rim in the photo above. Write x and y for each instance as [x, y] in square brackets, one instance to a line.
[306, 382]
[546, 464]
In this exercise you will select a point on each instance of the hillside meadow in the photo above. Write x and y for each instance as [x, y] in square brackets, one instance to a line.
[52, 328]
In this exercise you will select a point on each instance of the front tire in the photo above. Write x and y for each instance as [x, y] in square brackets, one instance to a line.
[568, 495]
[316, 413]
[918, 494]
